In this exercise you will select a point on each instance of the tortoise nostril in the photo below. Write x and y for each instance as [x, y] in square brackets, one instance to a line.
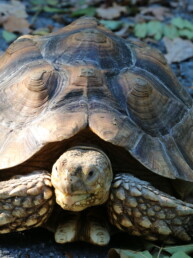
[91, 173]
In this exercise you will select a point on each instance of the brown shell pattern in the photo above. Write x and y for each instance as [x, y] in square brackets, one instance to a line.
[83, 76]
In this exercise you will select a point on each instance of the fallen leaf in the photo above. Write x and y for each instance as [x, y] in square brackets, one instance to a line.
[170, 31]
[52, 2]
[8, 36]
[124, 31]
[186, 33]
[112, 25]
[140, 30]
[53, 9]
[180, 254]
[188, 248]
[12, 17]
[16, 24]
[155, 29]
[4, 13]
[15, 8]
[112, 12]
[182, 23]
[90, 11]
[157, 12]
[178, 49]
[41, 31]
[121, 253]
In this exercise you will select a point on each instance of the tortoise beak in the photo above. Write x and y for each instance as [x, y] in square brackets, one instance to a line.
[75, 202]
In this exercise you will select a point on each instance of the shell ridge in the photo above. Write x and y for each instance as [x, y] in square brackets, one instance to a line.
[161, 82]
[180, 93]
[183, 167]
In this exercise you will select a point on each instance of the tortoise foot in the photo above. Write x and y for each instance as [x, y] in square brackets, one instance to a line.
[25, 201]
[96, 227]
[72, 230]
[67, 232]
[98, 234]
[140, 209]
[88, 226]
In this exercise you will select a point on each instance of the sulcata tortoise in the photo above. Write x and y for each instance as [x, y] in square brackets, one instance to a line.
[94, 129]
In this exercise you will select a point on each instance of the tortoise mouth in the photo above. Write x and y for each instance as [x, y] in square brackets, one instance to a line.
[75, 202]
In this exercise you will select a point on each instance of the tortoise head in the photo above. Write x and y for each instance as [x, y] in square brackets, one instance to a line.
[82, 178]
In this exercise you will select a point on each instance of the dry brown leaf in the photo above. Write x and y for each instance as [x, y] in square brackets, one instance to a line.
[4, 12]
[112, 12]
[15, 8]
[178, 49]
[18, 9]
[16, 24]
[157, 12]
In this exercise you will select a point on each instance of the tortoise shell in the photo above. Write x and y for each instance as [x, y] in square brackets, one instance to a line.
[83, 76]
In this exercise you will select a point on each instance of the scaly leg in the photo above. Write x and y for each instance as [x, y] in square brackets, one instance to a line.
[26, 201]
[140, 209]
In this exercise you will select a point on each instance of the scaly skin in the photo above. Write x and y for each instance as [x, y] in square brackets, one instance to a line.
[134, 205]
[138, 208]
[26, 201]
[81, 177]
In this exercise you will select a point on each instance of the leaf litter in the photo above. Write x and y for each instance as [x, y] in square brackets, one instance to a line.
[142, 21]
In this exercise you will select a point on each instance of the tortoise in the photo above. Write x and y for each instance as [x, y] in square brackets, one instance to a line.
[96, 133]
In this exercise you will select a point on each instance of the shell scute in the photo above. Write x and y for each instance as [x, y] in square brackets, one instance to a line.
[83, 76]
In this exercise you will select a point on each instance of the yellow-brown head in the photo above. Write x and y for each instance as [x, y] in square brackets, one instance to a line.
[82, 178]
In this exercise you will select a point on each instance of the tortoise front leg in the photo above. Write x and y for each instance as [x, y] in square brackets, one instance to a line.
[25, 201]
[138, 208]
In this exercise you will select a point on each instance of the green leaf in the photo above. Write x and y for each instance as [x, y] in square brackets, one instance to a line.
[90, 11]
[128, 253]
[38, 2]
[140, 30]
[37, 8]
[112, 25]
[160, 255]
[180, 254]
[186, 33]
[182, 23]
[9, 36]
[183, 248]
[155, 29]
[41, 31]
[53, 9]
[52, 2]
[170, 31]
[82, 2]
[178, 22]
[44, 2]
[188, 25]
[153, 26]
